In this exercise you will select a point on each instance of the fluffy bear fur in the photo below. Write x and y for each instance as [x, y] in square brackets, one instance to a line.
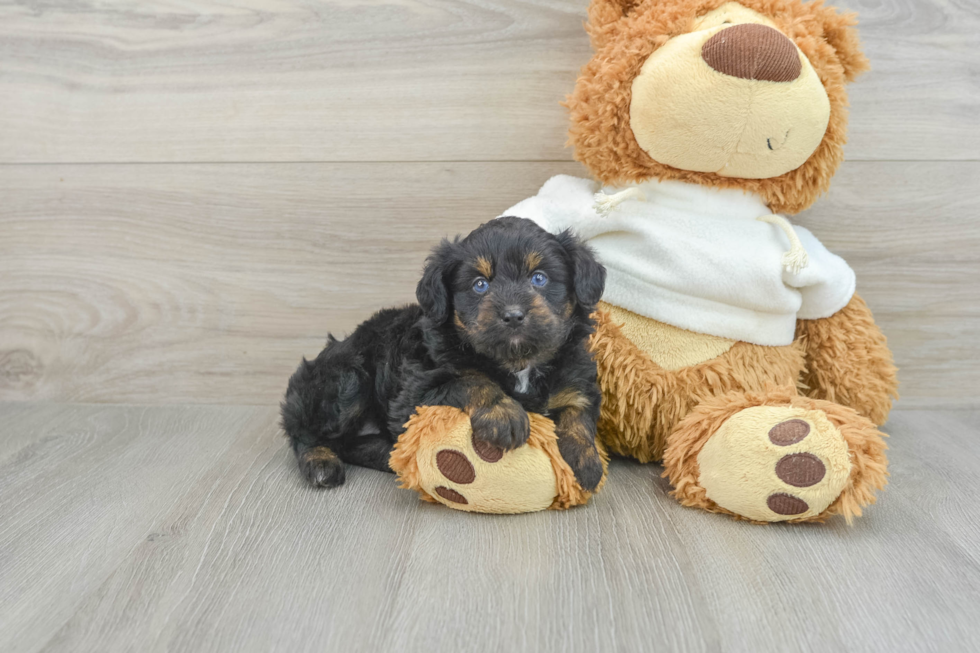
[848, 361]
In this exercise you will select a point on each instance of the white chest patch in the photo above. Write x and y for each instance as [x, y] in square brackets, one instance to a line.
[523, 380]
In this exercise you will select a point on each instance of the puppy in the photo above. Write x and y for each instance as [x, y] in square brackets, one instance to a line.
[500, 329]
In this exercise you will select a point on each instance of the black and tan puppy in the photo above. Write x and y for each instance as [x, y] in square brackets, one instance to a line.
[500, 329]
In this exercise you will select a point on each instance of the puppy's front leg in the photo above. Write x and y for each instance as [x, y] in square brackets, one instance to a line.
[575, 414]
[496, 418]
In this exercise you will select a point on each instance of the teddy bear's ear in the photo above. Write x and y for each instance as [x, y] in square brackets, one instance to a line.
[839, 32]
[603, 14]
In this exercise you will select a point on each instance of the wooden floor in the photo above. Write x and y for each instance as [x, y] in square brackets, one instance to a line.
[171, 528]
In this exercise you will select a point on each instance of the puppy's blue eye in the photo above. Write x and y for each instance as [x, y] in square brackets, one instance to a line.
[539, 279]
[481, 285]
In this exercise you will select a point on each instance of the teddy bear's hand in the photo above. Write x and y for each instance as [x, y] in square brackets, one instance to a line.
[848, 361]
[503, 424]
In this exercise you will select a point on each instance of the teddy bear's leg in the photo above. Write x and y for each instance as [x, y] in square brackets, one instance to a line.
[438, 457]
[848, 361]
[776, 456]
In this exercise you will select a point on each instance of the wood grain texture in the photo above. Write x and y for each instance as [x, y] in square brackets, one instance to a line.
[207, 283]
[218, 546]
[87, 487]
[398, 80]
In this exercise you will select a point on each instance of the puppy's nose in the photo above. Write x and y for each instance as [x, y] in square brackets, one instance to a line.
[753, 51]
[513, 316]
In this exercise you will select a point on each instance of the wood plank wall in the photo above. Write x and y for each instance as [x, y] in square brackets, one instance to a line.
[192, 195]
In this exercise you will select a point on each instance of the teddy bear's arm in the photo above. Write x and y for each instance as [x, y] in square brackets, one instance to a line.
[848, 361]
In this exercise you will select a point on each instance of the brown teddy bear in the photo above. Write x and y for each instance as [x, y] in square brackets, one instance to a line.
[731, 344]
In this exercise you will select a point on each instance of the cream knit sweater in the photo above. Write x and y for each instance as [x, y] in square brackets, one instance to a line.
[697, 258]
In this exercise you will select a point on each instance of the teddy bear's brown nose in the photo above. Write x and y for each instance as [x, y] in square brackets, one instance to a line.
[752, 51]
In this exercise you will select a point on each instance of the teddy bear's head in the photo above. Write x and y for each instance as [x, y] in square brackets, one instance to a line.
[746, 94]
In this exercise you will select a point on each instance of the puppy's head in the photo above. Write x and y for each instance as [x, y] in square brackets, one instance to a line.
[512, 291]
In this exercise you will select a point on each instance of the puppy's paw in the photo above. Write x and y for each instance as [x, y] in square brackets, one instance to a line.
[504, 424]
[584, 459]
[322, 468]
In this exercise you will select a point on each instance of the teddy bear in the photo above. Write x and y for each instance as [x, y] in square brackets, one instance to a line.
[731, 345]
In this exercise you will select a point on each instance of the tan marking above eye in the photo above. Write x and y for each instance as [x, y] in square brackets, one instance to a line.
[532, 261]
[484, 266]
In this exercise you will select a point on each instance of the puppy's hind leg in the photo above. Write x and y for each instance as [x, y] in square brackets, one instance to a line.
[309, 429]
[369, 448]
[320, 466]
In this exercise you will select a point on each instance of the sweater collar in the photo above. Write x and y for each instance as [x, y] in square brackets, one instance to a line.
[730, 203]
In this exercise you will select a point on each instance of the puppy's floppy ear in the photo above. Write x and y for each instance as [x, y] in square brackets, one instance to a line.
[589, 276]
[433, 292]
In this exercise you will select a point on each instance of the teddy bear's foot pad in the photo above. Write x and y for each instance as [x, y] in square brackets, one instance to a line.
[439, 457]
[775, 463]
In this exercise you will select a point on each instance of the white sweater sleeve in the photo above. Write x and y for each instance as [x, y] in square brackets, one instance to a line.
[826, 284]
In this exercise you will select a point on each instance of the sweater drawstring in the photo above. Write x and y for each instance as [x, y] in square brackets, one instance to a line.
[796, 258]
[606, 203]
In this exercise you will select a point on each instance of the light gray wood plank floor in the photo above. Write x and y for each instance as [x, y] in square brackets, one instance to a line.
[187, 528]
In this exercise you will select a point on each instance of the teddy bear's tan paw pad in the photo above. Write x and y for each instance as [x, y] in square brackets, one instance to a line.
[466, 473]
[774, 463]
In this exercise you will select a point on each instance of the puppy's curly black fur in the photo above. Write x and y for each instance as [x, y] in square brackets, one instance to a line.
[500, 329]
